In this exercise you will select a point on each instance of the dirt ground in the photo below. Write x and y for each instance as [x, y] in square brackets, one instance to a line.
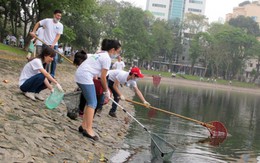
[29, 132]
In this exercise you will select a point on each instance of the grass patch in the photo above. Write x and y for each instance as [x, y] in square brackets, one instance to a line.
[197, 78]
[12, 49]
[151, 72]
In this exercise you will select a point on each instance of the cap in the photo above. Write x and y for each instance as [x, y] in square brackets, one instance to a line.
[137, 72]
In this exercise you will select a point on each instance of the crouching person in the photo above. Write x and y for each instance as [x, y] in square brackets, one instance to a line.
[118, 77]
[34, 78]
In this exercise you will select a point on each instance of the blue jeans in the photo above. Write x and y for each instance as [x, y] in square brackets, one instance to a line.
[54, 62]
[116, 98]
[34, 84]
[89, 93]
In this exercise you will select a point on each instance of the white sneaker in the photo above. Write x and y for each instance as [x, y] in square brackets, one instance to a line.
[31, 95]
[39, 97]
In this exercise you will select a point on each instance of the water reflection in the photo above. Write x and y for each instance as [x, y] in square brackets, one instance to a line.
[237, 111]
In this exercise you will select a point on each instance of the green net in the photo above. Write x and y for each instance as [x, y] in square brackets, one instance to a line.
[160, 148]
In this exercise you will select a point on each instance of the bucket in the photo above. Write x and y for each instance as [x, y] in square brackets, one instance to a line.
[54, 99]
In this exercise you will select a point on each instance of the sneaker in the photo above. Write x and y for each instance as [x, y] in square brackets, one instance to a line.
[113, 114]
[39, 97]
[31, 95]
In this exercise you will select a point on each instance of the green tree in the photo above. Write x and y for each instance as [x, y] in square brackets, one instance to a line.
[201, 46]
[231, 48]
[134, 35]
[194, 23]
[247, 24]
[255, 52]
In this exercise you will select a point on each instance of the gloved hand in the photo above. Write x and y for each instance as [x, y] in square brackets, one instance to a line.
[107, 94]
[147, 103]
[122, 97]
[59, 87]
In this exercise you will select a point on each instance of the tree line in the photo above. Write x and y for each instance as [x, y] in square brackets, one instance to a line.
[221, 48]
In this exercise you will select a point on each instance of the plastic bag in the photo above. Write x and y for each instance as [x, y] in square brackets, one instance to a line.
[54, 99]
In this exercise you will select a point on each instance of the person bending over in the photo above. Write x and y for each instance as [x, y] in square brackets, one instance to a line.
[118, 77]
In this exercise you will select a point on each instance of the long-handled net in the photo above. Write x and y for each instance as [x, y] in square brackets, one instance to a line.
[160, 148]
[216, 129]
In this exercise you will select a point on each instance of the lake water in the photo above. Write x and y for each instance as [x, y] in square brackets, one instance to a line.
[240, 113]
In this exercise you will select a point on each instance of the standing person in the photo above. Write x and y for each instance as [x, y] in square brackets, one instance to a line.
[38, 44]
[31, 50]
[21, 42]
[34, 78]
[80, 57]
[118, 77]
[95, 65]
[52, 32]
[60, 50]
[119, 64]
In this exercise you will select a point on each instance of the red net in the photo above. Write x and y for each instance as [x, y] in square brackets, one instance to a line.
[219, 130]
[156, 80]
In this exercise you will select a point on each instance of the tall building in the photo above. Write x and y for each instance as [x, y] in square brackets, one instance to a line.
[159, 8]
[246, 9]
[195, 6]
[175, 9]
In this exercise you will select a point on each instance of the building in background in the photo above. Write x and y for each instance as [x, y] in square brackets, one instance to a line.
[159, 8]
[246, 9]
[252, 10]
[175, 9]
[195, 6]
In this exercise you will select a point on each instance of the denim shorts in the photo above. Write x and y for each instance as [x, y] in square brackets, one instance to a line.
[89, 93]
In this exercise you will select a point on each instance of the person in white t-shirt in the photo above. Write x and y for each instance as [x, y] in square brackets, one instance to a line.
[38, 44]
[60, 50]
[95, 65]
[119, 77]
[34, 78]
[53, 29]
[119, 64]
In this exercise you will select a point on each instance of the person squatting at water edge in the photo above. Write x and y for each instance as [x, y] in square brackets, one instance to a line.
[53, 29]
[79, 57]
[117, 77]
[95, 65]
[34, 78]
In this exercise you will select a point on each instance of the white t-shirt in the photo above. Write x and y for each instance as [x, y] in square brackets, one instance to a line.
[30, 69]
[51, 29]
[40, 35]
[121, 77]
[60, 50]
[91, 67]
[119, 65]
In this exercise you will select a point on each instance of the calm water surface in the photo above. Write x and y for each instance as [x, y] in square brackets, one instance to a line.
[239, 112]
